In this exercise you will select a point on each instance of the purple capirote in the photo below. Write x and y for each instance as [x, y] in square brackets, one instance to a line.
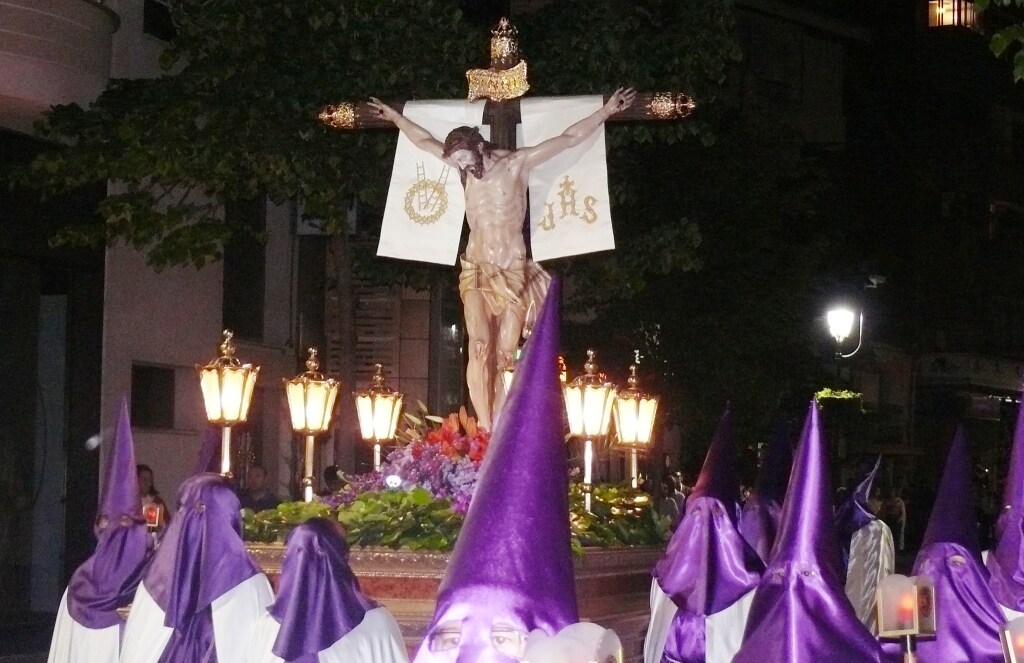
[512, 570]
[318, 600]
[200, 558]
[108, 579]
[800, 613]
[209, 451]
[854, 513]
[759, 519]
[708, 565]
[969, 619]
[1006, 560]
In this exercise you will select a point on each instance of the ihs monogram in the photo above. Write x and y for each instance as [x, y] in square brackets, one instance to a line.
[567, 202]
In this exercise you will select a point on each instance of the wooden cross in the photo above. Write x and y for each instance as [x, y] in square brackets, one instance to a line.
[501, 85]
[501, 111]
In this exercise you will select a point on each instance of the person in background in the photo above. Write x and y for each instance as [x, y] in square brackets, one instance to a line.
[680, 495]
[332, 480]
[257, 496]
[668, 506]
[148, 494]
[894, 513]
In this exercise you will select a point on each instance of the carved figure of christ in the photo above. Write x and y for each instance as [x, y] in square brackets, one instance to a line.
[501, 288]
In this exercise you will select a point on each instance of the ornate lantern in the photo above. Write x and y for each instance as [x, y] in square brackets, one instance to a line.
[378, 409]
[311, 403]
[588, 406]
[227, 386]
[634, 421]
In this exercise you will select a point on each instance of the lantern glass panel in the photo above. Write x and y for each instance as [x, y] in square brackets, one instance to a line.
[364, 412]
[645, 419]
[250, 384]
[395, 412]
[897, 606]
[209, 382]
[317, 393]
[574, 409]
[627, 419]
[232, 394]
[1013, 640]
[383, 408]
[332, 396]
[296, 404]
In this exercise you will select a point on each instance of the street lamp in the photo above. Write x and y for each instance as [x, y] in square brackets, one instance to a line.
[227, 386]
[634, 421]
[588, 406]
[840, 325]
[310, 402]
[378, 409]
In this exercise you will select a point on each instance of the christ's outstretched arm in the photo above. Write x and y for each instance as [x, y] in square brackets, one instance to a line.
[419, 136]
[577, 133]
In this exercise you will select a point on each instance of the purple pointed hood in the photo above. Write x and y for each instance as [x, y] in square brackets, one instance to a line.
[759, 520]
[512, 566]
[800, 612]
[200, 558]
[318, 600]
[1006, 559]
[107, 580]
[708, 565]
[208, 459]
[854, 512]
[970, 619]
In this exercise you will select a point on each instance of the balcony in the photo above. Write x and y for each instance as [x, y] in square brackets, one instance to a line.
[51, 52]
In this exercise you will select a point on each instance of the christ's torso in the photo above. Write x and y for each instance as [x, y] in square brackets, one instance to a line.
[495, 210]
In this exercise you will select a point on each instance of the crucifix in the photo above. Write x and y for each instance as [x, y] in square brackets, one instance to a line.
[502, 288]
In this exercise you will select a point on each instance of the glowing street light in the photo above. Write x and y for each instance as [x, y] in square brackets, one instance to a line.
[840, 326]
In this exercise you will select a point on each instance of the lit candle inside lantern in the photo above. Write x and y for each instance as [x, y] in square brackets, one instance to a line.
[907, 606]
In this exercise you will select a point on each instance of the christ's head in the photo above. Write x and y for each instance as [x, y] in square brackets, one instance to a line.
[466, 147]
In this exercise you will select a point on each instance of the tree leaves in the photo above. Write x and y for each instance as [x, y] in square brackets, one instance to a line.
[237, 117]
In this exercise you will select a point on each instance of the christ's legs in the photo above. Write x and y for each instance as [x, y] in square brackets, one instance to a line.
[480, 369]
[510, 329]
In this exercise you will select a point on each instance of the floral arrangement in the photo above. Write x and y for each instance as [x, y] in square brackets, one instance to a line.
[437, 470]
[443, 458]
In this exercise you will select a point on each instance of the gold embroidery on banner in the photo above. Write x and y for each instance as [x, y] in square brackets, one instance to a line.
[567, 204]
[426, 201]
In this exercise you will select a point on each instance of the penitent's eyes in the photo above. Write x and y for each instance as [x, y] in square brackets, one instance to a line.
[445, 639]
[508, 641]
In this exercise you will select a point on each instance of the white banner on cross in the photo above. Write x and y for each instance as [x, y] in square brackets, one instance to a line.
[426, 203]
[569, 209]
